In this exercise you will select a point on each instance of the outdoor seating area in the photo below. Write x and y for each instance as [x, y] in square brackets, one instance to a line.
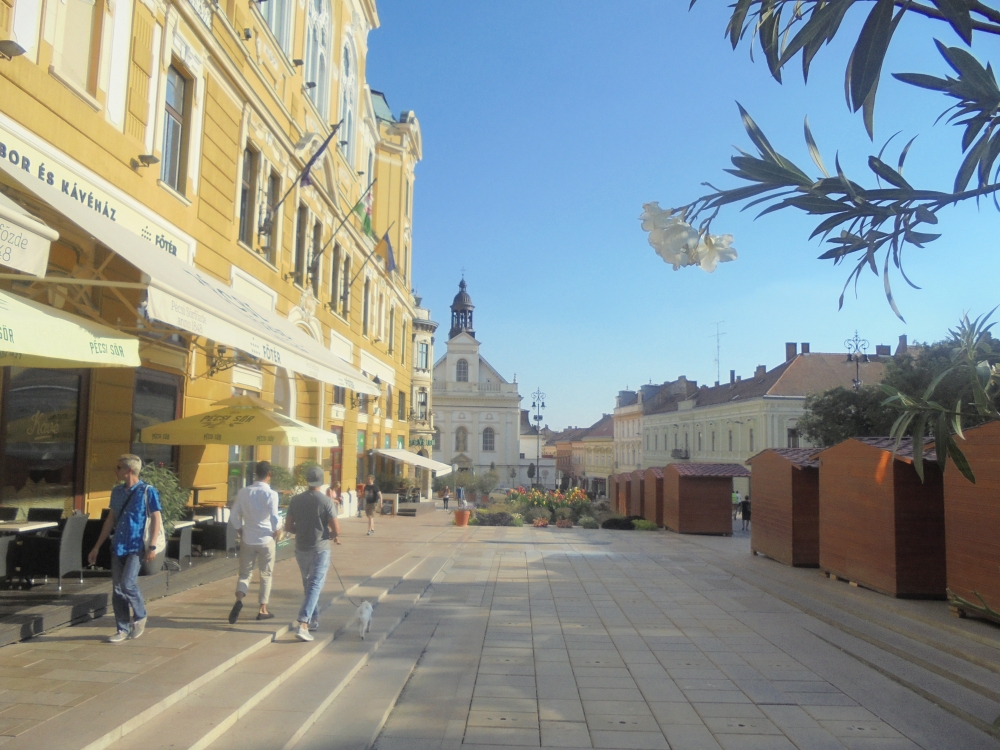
[785, 489]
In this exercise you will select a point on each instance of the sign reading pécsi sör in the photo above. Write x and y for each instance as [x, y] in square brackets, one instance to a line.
[56, 171]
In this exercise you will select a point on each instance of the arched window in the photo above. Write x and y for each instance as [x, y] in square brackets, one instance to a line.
[462, 371]
[461, 440]
[276, 14]
[348, 103]
[365, 307]
[318, 53]
[489, 439]
[388, 401]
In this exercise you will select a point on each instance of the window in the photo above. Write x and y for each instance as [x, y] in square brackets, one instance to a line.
[402, 345]
[318, 53]
[349, 85]
[301, 230]
[364, 307]
[362, 403]
[335, 278]
[793, 437]
[78, 36]
[401, 416]
[656, 441]
[406, 203]
[751, 439]
[247, 187]
[347, 286]
[730, 441]
[388, 401]
[392, 330]
[699, 441]
[269, 225]
[155, 399]
[172, 170]
[314, 262]
[461, 440]
[422, 405]
[423, 354]
[713, 441]
[462, 371]
[337, 456]
[276, 14]
[489, 440]
[339, 395]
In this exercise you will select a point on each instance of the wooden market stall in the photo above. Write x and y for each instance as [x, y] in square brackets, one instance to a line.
[879, 525]
[784, 490]
[636, 500]
[971, 520]
[613, 492]
[626, 492]
[653, 494]
[697, 498]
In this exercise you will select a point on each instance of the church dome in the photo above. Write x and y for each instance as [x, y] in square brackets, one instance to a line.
[461, 313]
[462, 300]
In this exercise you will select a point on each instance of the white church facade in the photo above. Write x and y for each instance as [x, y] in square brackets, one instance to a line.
[477, 413]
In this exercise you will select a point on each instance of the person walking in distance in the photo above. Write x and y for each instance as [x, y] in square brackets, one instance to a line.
[334, 493]
[373, 500]
[132, 503]
[736, 503]
[745, 512]
[255, 517]
[313, 519]
[445, 497]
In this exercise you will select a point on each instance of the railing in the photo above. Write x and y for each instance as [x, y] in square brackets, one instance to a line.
[680, 453]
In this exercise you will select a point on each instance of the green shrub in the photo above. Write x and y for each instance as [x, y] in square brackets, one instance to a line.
[474, 521]
[299, 473]
[588, 522]
[564, 514]
[643, 525]
[282, 479]
[173, 497]
[500, 518]
[517, 520]
[537, 512]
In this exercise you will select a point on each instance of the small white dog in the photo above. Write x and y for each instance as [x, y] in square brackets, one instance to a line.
[364, 617]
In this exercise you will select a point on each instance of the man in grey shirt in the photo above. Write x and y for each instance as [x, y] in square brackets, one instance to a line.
[313, 519]
[255, 517]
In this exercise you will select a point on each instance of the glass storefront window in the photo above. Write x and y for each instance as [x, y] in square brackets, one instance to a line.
[41, 421]
[156, 400]
[241, 459]
[337, 456]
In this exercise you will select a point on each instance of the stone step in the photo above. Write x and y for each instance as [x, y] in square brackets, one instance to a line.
[213, 710]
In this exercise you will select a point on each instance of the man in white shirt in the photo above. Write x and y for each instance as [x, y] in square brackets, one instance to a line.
[255, 517]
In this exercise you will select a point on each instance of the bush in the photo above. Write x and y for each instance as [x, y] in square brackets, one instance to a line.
[537, 513]
[564, 514]
[281, 479]
[501, 518]
[173, 497]
[517, 520]
[588, 522]
[644, 525]
[540, 522]
[474, 521]
[299, 473]
[618, 523]
[564, 523]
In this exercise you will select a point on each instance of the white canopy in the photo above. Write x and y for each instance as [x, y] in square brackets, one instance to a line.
[184, 297]
[404, 456]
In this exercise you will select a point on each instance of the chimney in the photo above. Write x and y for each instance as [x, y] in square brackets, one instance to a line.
[805, 347]
[901, 349]
[760, 371]
[790, 350]
[883, 350]
[739, 378]
[732, 377]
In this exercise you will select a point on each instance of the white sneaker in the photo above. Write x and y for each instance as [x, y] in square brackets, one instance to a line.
[120, 637]
[138, 628]
[304, 635]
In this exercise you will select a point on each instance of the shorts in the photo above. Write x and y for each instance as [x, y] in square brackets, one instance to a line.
[370, 509]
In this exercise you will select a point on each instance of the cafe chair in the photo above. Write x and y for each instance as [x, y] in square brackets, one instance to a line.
[232, 541]
[180, 543]
[8, 513]
[7, 563]
[55, 556]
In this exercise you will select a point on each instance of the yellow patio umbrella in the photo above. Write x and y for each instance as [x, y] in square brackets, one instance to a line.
[243, 420]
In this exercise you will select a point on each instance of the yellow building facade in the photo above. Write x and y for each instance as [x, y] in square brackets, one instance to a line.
[163, 142]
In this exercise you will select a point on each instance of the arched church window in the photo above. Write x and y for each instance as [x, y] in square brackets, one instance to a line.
[489, 439]
[461, 440]
[462, 371]
[348, 103]
[318, 53]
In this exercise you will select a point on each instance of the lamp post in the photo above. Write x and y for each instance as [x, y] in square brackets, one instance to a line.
[857, 353]
[538, 403]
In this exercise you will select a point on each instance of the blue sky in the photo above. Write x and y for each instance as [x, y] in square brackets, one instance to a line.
[547, 125]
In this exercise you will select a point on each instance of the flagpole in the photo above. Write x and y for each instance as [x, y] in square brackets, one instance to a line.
[369, 257]
[314, 264]
[307, 166]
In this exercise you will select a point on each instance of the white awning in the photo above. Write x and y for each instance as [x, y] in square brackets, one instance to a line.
[184, 297]
[404, 456]
[24, 240]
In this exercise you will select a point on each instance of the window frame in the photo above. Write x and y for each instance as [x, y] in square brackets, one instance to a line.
[299, 259]
[492, 435]
[248, 189]
[462, 373]
[183, 120]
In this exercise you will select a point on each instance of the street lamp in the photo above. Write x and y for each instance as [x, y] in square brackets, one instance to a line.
[538, 403]
[856, 353]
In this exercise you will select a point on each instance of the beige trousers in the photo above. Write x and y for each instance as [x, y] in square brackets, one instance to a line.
[261, 555]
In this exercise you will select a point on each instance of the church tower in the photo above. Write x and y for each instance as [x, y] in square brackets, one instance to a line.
[461, 313]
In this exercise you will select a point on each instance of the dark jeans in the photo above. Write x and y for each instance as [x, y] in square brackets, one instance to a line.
[446, 502]
[125, 590]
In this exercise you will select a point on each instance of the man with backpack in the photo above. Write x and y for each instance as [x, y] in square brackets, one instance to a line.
[135, 521]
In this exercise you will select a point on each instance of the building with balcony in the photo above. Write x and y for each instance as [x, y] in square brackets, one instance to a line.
[163, 144]
[477, 413]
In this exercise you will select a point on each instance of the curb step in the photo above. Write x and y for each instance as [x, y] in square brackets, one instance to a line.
[211, 712]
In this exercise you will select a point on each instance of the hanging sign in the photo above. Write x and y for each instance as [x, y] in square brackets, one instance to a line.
[24, 241]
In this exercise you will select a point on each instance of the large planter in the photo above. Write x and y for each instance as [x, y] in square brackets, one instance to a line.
[462, 517]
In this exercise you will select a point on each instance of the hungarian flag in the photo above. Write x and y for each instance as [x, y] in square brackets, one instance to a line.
[365, 214]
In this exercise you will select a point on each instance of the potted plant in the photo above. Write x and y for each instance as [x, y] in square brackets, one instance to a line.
[462, 516]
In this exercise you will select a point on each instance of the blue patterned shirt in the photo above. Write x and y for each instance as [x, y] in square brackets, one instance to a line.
[130, 527]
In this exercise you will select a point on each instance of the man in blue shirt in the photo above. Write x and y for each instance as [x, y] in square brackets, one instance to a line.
[132, 502]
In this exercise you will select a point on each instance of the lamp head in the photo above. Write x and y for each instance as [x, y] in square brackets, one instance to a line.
[9, 49]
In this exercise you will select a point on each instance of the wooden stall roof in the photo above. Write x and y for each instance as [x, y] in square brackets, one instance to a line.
[801, 457]
[656, 472]
[903, 453]
[710, 470]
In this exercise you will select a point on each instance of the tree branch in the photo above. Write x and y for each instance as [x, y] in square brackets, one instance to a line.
[924, 10]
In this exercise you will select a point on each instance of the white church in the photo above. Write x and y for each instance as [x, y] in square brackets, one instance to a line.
[477, 413]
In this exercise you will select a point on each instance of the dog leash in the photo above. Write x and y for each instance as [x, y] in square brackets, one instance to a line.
[332, 565]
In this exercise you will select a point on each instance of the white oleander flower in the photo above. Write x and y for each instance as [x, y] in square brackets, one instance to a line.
[715, 249]
[670, 236]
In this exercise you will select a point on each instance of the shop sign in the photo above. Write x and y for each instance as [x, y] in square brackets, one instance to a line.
[422, 441]
[24, 242]
[57, 172]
